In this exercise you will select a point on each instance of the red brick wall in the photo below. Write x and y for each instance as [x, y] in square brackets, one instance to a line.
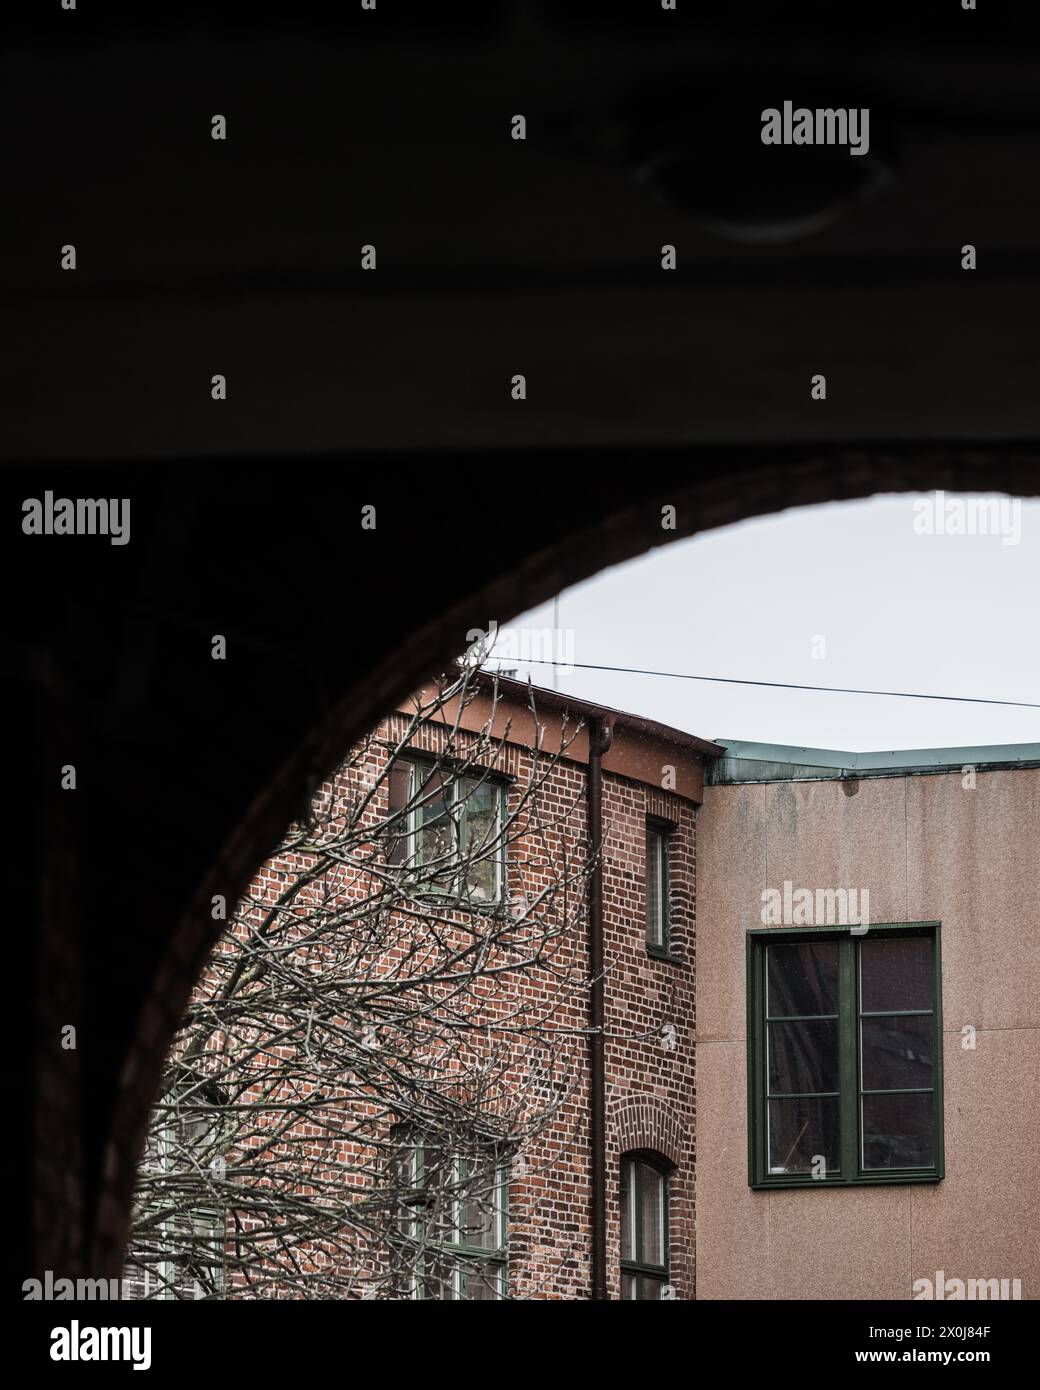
[649, 1071]
[649, 1019]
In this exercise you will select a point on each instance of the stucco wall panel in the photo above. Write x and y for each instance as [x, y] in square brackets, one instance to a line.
[982, 1221]
[853, 1244]
[733, 1241]
[974, 863]
[783, 1245]
[928, 848]
[827, 835]
[731, 872]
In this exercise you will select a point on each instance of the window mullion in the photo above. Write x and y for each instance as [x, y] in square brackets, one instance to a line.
[938, 1154]
[848, 1105]
[757, 1081]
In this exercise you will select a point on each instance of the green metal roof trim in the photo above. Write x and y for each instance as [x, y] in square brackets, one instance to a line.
[778, 762]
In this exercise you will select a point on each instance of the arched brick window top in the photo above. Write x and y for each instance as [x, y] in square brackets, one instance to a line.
[664, 806]
[640, 1123]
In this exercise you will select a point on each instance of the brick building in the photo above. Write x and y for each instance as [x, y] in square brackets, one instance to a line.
[818, 1122]
[600, 1200]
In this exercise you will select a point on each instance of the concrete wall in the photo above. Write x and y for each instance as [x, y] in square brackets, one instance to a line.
[928, 849]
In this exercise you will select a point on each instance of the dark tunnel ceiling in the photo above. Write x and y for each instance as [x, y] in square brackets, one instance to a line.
[348, 128]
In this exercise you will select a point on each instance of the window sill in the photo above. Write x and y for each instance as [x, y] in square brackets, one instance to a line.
[662, 953]
[454, 902]
[882, 1180]
[638, 1271]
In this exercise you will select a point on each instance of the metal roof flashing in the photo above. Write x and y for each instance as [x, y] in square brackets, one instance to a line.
[777, 762]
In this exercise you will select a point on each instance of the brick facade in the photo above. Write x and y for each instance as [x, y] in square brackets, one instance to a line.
[651, 1087]
[649, 1010]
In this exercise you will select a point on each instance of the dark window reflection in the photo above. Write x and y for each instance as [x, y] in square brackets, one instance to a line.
[898, 1131]
[802, 1129]
[896, 974]
[802, 978]
[803, 1056]
[897, 1053]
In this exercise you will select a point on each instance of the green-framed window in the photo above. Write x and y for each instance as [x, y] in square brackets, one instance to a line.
[845, 1055]
[450, 829]
[183, 1261]
[183, 1256]
[644, 1227]
[658, 888]
[455, 1221]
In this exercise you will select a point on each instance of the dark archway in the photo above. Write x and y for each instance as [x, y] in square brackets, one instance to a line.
[189, 768]
[197, 257]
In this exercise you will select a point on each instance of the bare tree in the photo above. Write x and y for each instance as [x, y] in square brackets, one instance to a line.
[389, 1022]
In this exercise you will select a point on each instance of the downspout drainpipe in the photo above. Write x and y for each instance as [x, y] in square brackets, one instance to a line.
[600, 738]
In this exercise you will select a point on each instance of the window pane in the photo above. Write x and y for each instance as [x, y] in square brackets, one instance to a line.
[440, 1194]
[479, 805]
[480, 1282]
[898, 1132]
[655, 885]
[208, 1256]
[194, 1127]
[803, 1056]
[897, 1053]
[135, 1282]
[403, 1166]
[627, 1208]
[651, 1186]
[802, 978]
[481, 1211]
[896, 974]
[400, 788]
[436, 838]
[477, 1224]
[406, 1217]
[400, 793]
[801, 1129]
[193, 1251]
[439, 1276]
[446, 1210]
[647, 1289]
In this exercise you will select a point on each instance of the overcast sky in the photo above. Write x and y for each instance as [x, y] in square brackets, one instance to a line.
[896, 610]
